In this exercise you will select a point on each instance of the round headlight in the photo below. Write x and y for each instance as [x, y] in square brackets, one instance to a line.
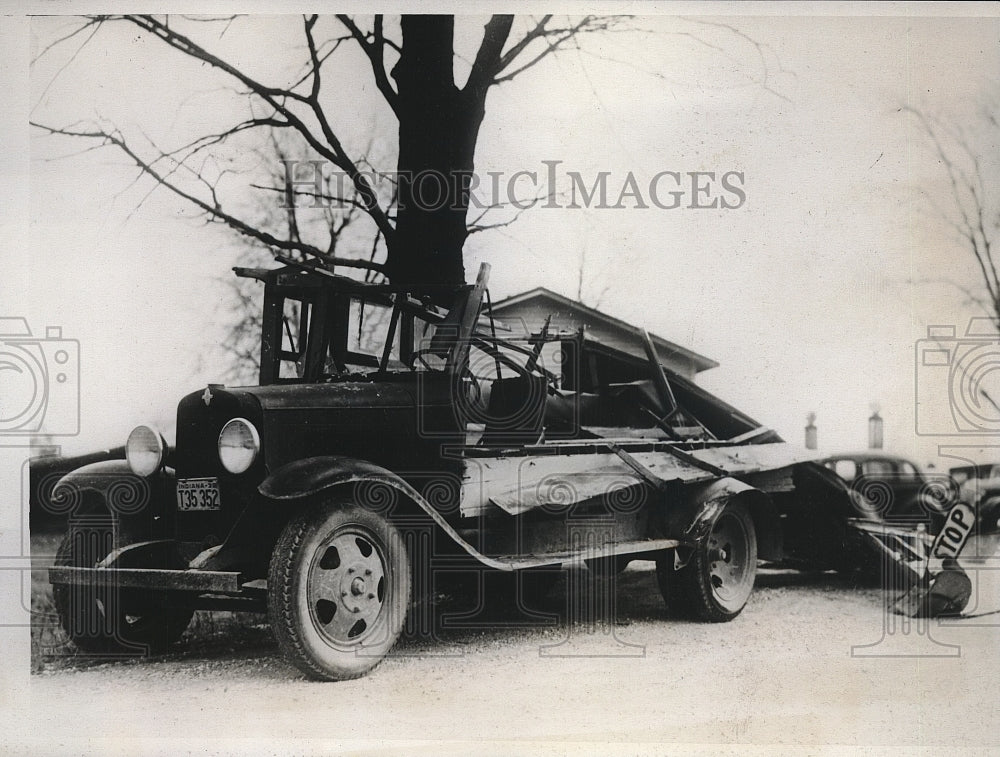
[144, 451]
[239, 444]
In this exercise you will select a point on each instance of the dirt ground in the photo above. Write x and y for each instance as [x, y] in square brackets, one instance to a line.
[813, 660]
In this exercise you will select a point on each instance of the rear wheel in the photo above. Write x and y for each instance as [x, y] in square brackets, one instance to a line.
[338, 590]
[717, 581]
[109, 620]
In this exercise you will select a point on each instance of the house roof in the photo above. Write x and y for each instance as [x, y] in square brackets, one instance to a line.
[700, 362]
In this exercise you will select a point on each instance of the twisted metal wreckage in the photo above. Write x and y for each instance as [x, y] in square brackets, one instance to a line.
[391, 440]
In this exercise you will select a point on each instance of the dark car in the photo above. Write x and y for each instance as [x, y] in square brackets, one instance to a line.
[892, 489]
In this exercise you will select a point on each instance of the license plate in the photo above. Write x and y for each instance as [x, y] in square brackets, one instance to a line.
[198, 494]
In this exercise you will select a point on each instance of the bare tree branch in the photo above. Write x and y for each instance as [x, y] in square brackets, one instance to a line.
[553, 39]
[527, 39]
[95, 23]
[976, 218]
[487, 62]
[89, 22]
[212, 209]
[277, 98]
[766, 74]
[375, 51]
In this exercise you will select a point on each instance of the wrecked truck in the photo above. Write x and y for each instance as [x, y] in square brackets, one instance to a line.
[391, 440]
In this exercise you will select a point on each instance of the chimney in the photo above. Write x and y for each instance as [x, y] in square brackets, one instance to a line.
[811, 441]
[875, 429]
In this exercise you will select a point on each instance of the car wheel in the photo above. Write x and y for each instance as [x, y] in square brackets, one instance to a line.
[108, 620]
[338, 590]
[718, 579]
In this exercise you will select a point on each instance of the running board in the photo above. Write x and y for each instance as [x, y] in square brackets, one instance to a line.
[211, 581]
[520, 562]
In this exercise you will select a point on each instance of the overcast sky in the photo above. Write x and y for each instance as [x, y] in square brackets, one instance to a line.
[811, 294]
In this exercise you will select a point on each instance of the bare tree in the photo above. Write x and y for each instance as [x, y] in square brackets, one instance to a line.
[971, 207]
[373, 223]
[438, 128]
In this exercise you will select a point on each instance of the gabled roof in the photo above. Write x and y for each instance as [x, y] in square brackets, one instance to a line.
[700, 362]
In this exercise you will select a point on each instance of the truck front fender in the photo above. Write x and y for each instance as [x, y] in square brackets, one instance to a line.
[302, 480]
[313, 475]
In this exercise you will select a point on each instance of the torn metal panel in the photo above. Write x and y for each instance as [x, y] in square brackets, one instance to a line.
[564, 490]
[516, 484]
[519, 484]
[640, 470]
[753, 458]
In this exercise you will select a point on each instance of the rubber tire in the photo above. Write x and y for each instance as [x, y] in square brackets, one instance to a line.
[288, 606]
[154, 630]
[689, 591]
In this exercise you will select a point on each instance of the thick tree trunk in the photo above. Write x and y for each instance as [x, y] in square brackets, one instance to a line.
[438, 128]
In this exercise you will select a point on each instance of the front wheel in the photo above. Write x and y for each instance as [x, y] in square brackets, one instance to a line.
[338, 590]
[717, 581]
[110, 620]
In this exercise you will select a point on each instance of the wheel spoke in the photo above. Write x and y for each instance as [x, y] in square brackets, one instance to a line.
[324, 584]
[347, 546]
[341, 623]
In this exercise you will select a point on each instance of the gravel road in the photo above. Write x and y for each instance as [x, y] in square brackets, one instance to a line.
[782, 673]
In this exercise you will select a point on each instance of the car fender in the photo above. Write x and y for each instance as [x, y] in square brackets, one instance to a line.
[113, 482]
[109, 488]
[988, 513]
[986, 502]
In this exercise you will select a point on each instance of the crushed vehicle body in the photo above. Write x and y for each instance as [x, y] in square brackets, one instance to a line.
[391, 440]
